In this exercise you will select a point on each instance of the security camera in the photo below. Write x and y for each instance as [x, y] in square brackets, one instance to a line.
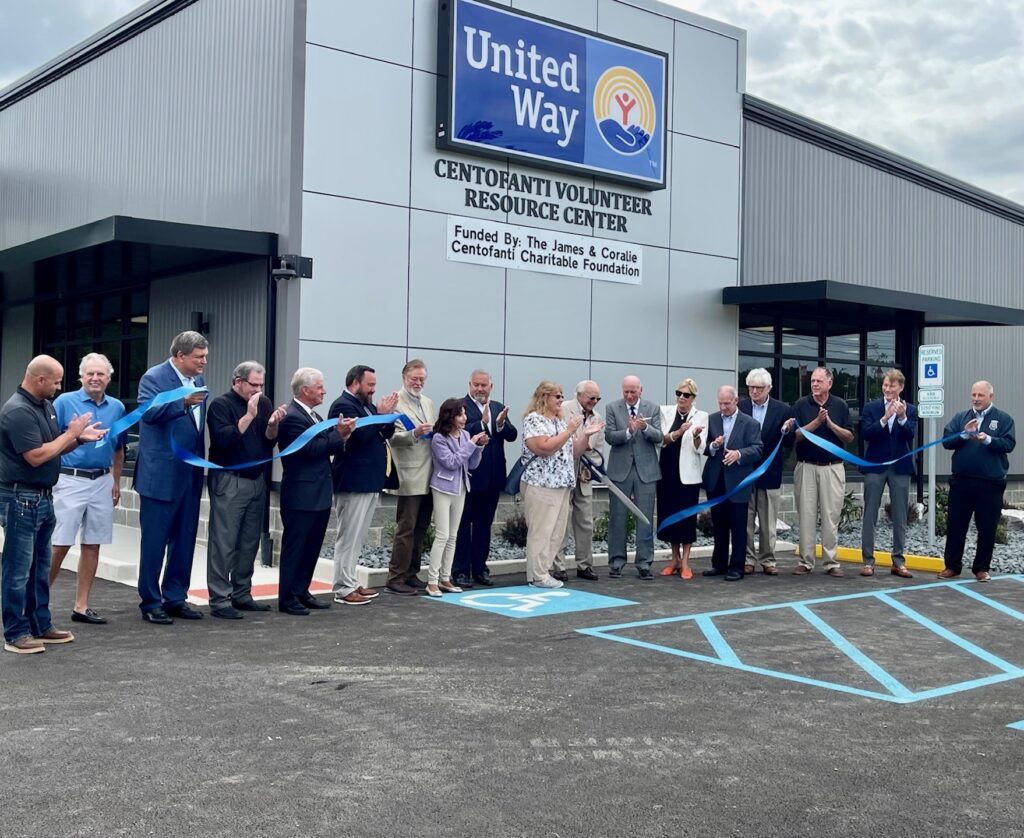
[283, 273]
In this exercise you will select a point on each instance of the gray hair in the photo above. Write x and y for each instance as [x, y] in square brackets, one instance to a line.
[826, 370]
[95, 356]
[583, 385]
[187, 342]
[247, 368]
[304, 377]
[475, 373]
[759, 377]
[730, 390]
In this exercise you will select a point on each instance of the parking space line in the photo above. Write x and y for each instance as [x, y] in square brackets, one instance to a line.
[1017, 725]
[946, 634]
[892, 684]
[1013, 612]
[725, 652]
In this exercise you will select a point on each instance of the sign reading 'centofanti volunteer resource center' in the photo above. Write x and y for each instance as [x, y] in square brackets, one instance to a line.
[547, 94]
[499, 245]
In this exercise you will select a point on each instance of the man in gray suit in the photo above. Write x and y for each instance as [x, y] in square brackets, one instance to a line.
[633, 430]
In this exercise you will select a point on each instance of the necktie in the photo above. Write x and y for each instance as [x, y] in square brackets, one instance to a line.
[632, 411]
[317, 417]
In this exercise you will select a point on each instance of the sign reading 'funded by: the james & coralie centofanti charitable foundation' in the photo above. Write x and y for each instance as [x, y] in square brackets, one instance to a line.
[546, 94]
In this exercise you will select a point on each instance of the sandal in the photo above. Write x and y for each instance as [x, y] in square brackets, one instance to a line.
[686, 573]
[670, 570]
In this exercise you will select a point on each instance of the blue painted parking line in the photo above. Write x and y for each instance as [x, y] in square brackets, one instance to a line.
[896, 691]
[1017, 725]
[523, 601]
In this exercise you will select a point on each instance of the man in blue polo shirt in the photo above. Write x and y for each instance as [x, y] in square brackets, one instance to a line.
[89, 486]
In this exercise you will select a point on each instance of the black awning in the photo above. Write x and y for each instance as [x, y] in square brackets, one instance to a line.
[864, 305]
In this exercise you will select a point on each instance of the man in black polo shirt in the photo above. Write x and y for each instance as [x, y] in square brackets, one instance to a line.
[243, 427]
[30, 447]
[820, 477]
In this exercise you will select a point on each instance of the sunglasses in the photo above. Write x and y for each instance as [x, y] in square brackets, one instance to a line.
[682, 395]
[593, 398]
[557, 396]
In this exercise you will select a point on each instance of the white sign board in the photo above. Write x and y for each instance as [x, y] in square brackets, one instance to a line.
[931, 365]
[500, 245]
[932, 394]
[931, 410]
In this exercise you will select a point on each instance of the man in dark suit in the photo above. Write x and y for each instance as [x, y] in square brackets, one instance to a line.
[888, 427]
[169, 489]
[306, 489]
[633, 432]
[485, 482]
[776, 421]
[733, 452]
[976, 488]
[358, 479]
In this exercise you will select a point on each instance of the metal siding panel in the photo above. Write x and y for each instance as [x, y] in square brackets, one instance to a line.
[188, 121]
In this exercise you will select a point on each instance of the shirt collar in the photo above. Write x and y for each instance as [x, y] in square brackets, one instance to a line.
[85, 397]
[30, 397]
[305, 407]
[185, 379]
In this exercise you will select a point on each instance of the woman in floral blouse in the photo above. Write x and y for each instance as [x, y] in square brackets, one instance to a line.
[548, 479]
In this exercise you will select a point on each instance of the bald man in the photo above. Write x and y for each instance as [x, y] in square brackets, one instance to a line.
[31, 444]
[980, 463]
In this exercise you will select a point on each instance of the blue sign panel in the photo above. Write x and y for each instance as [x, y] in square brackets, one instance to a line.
[548, 94]
[525, 601]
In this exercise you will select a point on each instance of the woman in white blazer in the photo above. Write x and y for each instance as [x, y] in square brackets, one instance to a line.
[682, 469]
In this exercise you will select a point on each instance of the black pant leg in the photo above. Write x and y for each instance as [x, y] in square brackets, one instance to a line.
[292, 543]
[988, 508]
[738, 532]
[483, 517]
[721, 523]
[958, 519]
[316, 529]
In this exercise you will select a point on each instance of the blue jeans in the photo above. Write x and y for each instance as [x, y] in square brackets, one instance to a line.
[27, 519]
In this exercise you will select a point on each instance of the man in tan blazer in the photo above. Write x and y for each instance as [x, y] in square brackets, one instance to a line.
[414, 463]
[581, 504]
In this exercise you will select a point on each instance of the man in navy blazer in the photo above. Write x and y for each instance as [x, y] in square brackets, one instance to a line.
[485, 482]
[306, 491]
[776, 420]
[888, 427]
[358, 479]
[169, 489]
[733, 452]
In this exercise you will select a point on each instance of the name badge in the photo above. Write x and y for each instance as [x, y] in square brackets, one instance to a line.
[993, 425]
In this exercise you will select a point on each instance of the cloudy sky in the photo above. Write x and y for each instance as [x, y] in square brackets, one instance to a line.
[938, 81]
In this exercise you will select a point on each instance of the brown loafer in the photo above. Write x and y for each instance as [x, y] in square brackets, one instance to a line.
[748, 568]
[834, 571]
[801, 570]
[981, 576]
[867, 570]
[770, 570]
[900, 570]
[948, 573]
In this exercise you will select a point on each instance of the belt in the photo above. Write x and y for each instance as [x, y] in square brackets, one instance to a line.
[821, 462]
[90, 473]
[42, 491]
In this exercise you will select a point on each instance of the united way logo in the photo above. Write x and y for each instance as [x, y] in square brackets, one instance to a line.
[624, 110]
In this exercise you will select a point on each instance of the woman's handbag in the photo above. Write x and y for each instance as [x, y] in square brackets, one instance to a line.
[515, 475]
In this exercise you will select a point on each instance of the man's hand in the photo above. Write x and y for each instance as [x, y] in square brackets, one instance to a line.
[116, 494]
[787, 426]
[901, 410]
[481, 439]
[822, 418]
[718, 441]
[195, 398]
[91, 433]
[346, 426]
[501, 418]
[79, 424]
[634, 424]
[594, 428]
[731, 457]
[575, 422]
[388, 403]
[971, 427]
[253, 408]
[421, 430]
[277, 415]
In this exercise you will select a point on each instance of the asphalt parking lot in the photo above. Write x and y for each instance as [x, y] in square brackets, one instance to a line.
[426, 718]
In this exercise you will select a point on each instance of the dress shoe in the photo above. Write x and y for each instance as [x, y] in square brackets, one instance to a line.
[645, 574]
[834, 571]
[314, 604]
[26, 645]
[184, 612]
[615, 573]
[586, 573]
[416, 583]
[89, 616]
[448, 587]
[369, 593]
[353, 598]
[713, 572]
[733, 576]
[157, 616]
[434, 591]
[56, 636]
[294, 609]
[226, 613]
[900, 570]
[948, 573]
[464, 581]
[560, 575]
[770, 570]
[869, 570]
[400, 588]
[249, 605]
[484, 579]
[748, 568]
[801, 570]
[981, 576]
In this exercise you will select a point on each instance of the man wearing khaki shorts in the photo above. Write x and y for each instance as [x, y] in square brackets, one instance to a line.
[89, 486]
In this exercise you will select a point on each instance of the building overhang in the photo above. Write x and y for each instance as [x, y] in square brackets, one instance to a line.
[876, 308]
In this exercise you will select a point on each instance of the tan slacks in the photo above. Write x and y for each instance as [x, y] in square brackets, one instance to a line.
[819, 489]
[579, 521]
[546, 511]
[762, 515]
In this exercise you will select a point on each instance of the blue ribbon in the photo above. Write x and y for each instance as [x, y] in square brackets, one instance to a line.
[300, 442]
[843, 454]
[160, 399]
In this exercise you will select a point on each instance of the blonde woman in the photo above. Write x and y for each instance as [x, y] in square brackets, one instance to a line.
[549, 476]
[682, 468]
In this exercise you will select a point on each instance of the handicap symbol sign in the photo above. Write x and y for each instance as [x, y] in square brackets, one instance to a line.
[524, 601]
[931, 370]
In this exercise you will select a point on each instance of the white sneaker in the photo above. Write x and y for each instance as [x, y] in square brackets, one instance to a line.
[546, 582]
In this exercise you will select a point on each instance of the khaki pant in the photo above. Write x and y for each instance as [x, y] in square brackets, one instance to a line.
[447, 516]
[547, 511]
[580, 521]
[763, 508]
[819, 489]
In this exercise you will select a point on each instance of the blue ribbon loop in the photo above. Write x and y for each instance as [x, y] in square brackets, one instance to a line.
[159, 400]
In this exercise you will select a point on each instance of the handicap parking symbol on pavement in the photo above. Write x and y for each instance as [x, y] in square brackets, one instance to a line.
[523, 601]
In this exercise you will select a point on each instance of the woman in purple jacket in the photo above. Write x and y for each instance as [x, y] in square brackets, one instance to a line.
[455, 452]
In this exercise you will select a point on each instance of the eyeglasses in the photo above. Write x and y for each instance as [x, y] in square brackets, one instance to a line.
[681, 395]
[557, 396]
[593, 398]
[251, 384]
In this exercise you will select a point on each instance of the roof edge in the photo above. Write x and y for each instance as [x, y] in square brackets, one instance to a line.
[773, 116]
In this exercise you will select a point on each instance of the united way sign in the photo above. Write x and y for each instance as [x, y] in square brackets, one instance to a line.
[546, 94]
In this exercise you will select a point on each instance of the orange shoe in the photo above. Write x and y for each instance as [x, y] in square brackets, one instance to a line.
[671, 570]
[686, 573]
